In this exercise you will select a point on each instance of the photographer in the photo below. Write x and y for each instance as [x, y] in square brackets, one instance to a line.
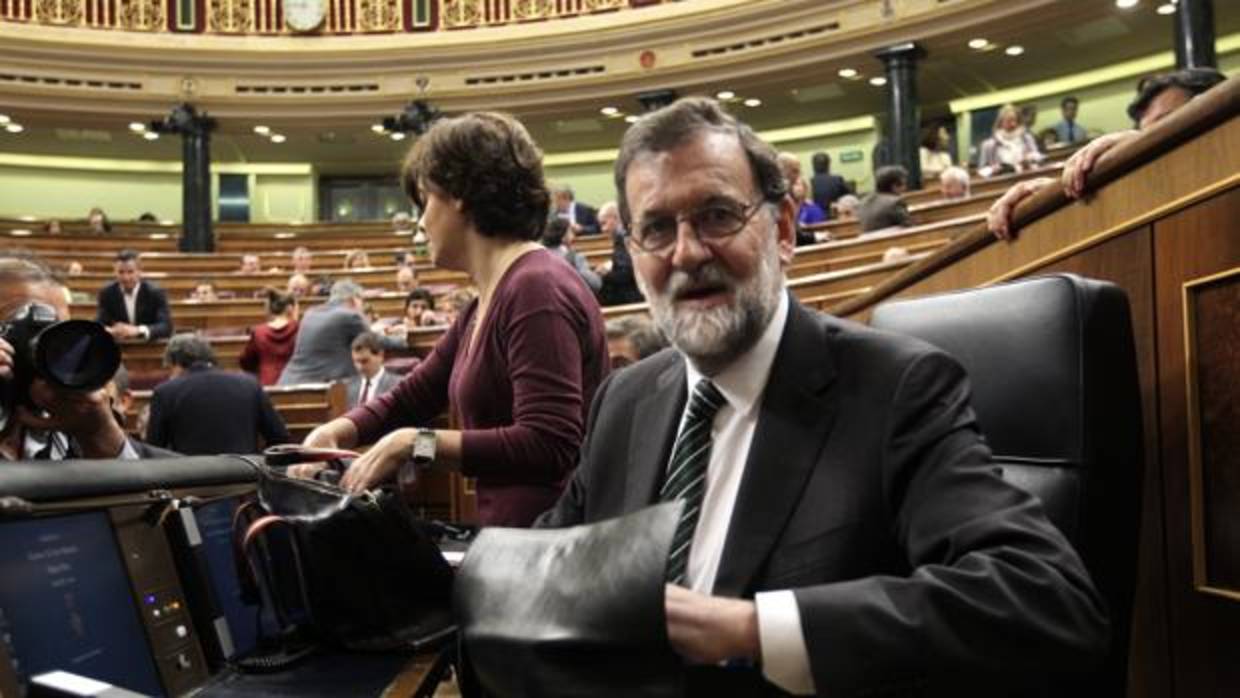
[46, 422]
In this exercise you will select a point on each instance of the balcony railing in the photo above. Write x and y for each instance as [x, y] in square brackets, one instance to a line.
[267, 17]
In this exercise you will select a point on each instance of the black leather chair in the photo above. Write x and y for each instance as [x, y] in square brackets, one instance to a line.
[1053, 369]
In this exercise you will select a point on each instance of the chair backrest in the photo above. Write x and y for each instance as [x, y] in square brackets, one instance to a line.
[1053, 369]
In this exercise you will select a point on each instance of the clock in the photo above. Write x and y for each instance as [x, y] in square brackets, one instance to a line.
[304, 15]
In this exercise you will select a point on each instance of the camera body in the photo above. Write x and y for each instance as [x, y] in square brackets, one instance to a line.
[70, 354]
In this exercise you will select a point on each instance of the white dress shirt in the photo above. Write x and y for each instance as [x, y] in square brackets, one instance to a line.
[369, 387]
[785, 660]
[131, 308]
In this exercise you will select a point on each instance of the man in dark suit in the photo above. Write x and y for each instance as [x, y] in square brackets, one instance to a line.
[372, 379]
[825, 188]
[130, 307]
[843, 531]
[883, 208]
[619, 285]
[204, 411]
[582, 218]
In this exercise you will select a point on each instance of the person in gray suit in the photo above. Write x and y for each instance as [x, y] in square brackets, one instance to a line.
[372, 379]
[323, 349]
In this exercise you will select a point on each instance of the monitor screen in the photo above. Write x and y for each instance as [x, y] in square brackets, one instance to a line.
[215, 527]
[66, 603]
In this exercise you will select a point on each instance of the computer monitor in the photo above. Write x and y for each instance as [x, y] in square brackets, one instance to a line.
[66, 603]
[215, 521]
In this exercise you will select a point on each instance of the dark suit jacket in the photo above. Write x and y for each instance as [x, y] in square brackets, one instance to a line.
[205, 411]
[877, 211]
[353, 386]
[322, 351]
[619, 284]
[151, 308]
[586, 216]
[825, 189]
[867, 491]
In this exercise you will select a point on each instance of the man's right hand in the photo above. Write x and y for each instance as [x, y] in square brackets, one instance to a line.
[1082, 162]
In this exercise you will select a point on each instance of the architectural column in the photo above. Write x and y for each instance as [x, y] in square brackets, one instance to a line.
[903, 112]
[195, 131]
[1194, 34]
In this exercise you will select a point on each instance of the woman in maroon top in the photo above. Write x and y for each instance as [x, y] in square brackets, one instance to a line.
[519, 367]
[271, 344]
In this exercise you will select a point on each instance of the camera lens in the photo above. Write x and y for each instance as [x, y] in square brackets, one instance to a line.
[76, 354]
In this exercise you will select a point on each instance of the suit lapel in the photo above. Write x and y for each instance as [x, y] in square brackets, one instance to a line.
[797, 411]
[655, 422]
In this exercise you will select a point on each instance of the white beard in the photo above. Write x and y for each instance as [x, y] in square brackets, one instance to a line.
[713, 338]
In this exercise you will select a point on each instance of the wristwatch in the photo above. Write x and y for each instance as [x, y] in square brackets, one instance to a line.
[424, 447]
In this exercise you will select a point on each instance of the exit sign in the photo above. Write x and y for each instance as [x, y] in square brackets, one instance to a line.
[852, 156]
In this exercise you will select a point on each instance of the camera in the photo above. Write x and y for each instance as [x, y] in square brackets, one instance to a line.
[70, 354]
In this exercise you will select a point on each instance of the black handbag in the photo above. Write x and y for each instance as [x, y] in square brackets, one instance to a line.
[356, 570]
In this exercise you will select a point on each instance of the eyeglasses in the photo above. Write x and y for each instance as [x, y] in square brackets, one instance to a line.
[715, 221]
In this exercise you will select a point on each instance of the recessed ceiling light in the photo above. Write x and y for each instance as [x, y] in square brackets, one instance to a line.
[609, 111]
[847, 73]
[632, 118]
[4, 119]
[150, 135]
[398, 135]
[262, 130]
[277, 138]
[753, 102]
[1126, 4]
[725, 94]
[14, 128]
[1166, 9]
[137, 126]
[1014, 50]
[878, 81]
[978, 44]
[378, 128]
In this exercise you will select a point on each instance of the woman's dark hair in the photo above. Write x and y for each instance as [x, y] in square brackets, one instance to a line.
[278, 301]
[488, 161]
[420, 294]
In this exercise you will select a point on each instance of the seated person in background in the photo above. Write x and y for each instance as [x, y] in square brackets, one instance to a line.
[934, 152]
[632, 338]
[97, 221]
[954, 183]
[299, 285]
[1156, 98]
[402, 223]
[74, 268]
[372, 380]
[204, 291]
[406, 280]
[302, 260]
[582, 218]
[1010, 148]
[403, 258]
[270, 344]
[520, 366]
[147, 217]
[826, 188]
[357, 259]
[790, 166]
[420, 309]
[808, 212]
[558, 238]
[815, 552]
[131, 308]
[322, 351]
[202, 410]
[619, 286]
[457, 302]
[846, 207]
[63, 424]
[52, 227]
[1067, 130]
[250, 264]
[884, 207]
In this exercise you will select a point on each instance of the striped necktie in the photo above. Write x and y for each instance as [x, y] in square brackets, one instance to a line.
[686, 473]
